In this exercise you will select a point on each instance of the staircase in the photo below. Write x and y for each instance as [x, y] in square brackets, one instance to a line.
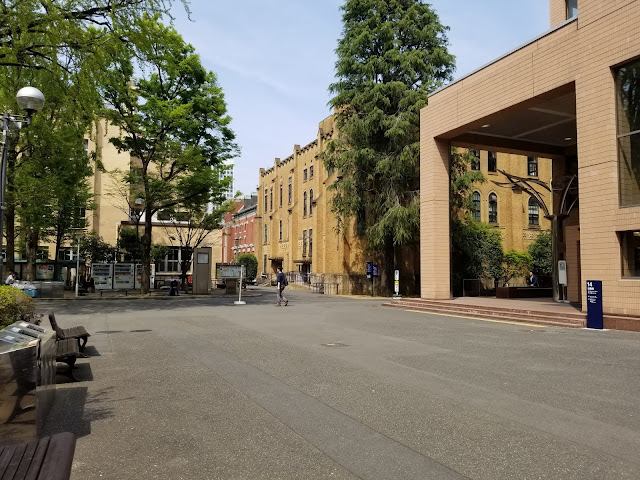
[562, 317]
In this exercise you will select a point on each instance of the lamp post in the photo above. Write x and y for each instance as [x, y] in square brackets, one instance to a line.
[31, 100]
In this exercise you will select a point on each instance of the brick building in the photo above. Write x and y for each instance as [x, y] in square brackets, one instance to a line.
[238, 231]
[570, 95]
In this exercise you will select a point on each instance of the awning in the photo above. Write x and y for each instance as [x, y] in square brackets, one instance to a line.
[276, 259]
[304, 262]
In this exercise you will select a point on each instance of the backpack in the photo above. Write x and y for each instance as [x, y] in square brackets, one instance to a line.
[285, 282]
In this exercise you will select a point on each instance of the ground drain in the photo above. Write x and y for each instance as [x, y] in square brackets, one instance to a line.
[334, 345]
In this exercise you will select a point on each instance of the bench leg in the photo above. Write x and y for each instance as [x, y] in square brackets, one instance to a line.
[71, 362]
[81, 345]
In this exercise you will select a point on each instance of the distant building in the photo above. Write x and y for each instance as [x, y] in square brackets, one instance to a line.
[238, 230]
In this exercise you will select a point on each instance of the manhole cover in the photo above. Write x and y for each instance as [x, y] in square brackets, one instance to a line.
[335, 345]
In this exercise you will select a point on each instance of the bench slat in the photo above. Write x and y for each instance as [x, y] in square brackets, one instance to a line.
[14, 462]
[5, 459]
[25, 462]
[36, 460]
[59, 459]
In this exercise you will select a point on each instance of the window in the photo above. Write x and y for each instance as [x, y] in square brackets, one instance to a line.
[265, 264]
[628, 120]
[164, 215]
[572, 8]
[311, 171]
[304, 243]
[534, 212]
[493, 208]
[475, 159]
[476, 206]
[67, 253]
[310, 241]
[532, 166]
[265, 234]
[304, 175]
[630, 253]
[281, 194]
[492, 161]
[290, 189]
[311, 202]
[304, 204]
[271, 199]
[170, 263]
[265, 200]
[280, 230]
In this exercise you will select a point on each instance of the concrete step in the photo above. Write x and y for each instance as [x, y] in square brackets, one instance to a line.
[537, 318]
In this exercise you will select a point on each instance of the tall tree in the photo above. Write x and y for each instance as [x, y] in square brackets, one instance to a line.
[173, 121]
[392, 54]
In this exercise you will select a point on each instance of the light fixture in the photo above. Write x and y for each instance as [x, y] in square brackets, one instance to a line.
[486, 125]
[568, 138]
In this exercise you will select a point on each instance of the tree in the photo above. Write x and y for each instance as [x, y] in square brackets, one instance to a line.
[173, 121]
[251, 265]
[541, 257]
[95, 249]
[463, 180]
[390, 57]
[515, 264]
[476, 252]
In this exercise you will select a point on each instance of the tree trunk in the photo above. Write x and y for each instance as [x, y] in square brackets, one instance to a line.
[10, 212]
[146, 253]
[185, 263]
[32, 250]
[388, 258]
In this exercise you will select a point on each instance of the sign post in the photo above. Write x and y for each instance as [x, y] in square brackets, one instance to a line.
[375, 274]
[594, 304]
[370, 275]
[562, 279]
[239, 301]
[396, 284]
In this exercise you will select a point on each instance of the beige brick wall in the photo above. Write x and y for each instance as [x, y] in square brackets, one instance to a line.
[583, 54]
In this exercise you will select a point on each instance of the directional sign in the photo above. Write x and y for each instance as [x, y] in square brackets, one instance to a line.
[375, 270]
[594, 304]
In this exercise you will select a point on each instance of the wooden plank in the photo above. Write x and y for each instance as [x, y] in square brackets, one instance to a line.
[14, 462]
[59, 459]
[27, 458]
[5, 458]
[37, 458]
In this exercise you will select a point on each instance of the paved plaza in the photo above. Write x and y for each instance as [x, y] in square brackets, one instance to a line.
[342, 388]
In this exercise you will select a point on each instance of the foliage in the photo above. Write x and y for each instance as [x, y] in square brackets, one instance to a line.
[173, 120]
[390, 57]
[515, 264]
[14, 305]
[251, 264]
[463, 180]
[476, 251]
[95, 249]
[541, 258]
[130, 245]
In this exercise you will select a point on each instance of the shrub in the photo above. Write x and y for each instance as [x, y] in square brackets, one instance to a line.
[14, 305]
[251, 265]
[541, 258]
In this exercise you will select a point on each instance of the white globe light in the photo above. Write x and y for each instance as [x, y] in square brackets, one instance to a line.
[30, 99]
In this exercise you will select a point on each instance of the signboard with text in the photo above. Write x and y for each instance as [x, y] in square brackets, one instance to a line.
[594, 304]
[369, 269]
[102, 274]
[231, 270]
[375, 270]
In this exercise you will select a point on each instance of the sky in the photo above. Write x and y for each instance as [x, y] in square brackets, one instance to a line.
[275, 60]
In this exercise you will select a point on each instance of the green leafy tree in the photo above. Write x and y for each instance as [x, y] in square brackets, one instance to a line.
[173, 121]
[392, 54]
[94, 249]
[251, 265]
[476, 252]
[515, 264]
[541, 257]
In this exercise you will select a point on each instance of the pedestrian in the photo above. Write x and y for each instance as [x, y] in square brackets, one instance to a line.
[281, 282]
[532, 280]
[10, 278]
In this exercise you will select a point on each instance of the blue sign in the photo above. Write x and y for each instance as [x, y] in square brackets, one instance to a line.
[375, 270]
[369, 269]
[594, 304]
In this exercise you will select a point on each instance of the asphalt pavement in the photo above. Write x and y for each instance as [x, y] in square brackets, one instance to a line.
[335, 387]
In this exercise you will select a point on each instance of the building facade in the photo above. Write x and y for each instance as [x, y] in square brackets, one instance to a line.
[570, 95]
[238, 233]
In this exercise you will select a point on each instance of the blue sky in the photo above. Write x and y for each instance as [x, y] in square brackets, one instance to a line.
[275, 60]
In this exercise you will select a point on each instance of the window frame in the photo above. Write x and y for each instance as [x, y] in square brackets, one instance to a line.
[476, 211]
[493, 208]
[532, 161]
[534, 212]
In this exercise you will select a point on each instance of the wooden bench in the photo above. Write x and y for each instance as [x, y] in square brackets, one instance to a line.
[67, 351]
[79, 333]
[48, 458]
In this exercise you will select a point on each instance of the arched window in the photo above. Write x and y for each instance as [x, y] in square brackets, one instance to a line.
[311, 201]
[476, 206]
[493, 208]
[304, 205]
[534, 212]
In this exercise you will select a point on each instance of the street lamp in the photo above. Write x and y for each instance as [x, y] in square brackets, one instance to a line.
[31, 100]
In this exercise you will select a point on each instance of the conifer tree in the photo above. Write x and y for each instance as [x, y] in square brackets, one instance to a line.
[392, 55]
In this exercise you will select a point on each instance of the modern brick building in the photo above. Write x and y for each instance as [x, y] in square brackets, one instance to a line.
[238, 233]
[571, 95]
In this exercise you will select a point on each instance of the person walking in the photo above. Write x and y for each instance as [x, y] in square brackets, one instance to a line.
[532, 280]
[281, 282]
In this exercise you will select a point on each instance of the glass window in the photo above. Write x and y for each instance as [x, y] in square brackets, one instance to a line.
[628, 121]
[304, 174]
[310, 241]
[630, 253]
[311, 202]
[475, 159]
[290, 189]
[492, 161]
[304, 205]
[311, 171]
[265, 200]
[532, 166]
[493, 208]
[304, 243]
[280, 230]
[572, 8]
[170, 263]
[534, 212]
[265, 234]
[476, 206]
[281, 194]
[271, 199]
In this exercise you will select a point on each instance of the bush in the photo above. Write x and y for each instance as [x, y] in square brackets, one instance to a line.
[251, 265]
[515, 264]
[541, 258]
[14, 305]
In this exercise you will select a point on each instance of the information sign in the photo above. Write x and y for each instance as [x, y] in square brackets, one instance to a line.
[369, 269]
[44, 272]
[562, 272]
[375, 270]
[231, 270]
[594, 304]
